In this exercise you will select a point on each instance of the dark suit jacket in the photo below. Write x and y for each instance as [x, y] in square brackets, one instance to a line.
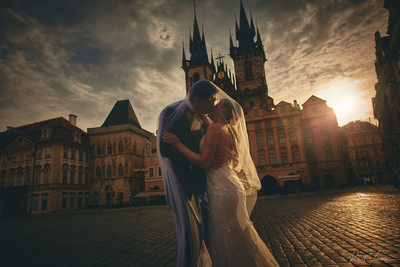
[192, 178]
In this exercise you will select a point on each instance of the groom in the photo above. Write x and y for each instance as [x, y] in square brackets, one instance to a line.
[185, 183]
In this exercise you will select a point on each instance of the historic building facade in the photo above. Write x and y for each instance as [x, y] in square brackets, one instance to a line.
[291, 147]
[153, 175]
[119, 157]
[386, 102]
[364, 145]
[45, 166]
[324, 145]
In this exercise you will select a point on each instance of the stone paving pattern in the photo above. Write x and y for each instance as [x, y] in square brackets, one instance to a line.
[357, 226]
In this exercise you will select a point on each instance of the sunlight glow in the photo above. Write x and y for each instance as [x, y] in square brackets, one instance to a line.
[348, 103]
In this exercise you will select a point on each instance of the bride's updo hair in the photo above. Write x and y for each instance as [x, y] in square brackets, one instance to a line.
[228, 114]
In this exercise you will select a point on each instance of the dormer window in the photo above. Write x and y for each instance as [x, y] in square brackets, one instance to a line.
[46, 131]
[77, 136]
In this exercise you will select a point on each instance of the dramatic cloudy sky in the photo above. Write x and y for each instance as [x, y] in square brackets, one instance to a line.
[62, 57]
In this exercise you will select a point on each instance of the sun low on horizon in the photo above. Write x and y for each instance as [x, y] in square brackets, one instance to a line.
[347, 101]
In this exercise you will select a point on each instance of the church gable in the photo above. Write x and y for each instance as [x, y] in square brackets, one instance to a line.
[314, 100]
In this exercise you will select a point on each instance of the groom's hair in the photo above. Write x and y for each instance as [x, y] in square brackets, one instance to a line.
[203, 90]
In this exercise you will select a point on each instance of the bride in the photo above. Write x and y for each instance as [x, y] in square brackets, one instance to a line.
[224, 155]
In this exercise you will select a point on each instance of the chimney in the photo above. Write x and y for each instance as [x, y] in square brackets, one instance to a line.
[72, 119]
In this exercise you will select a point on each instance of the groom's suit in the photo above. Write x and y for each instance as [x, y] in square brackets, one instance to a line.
[192, 216]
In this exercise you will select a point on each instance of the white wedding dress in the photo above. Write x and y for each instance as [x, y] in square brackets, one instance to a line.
[233, 238]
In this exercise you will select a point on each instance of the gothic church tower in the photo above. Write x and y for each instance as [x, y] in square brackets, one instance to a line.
[249, 58]
[198, 67]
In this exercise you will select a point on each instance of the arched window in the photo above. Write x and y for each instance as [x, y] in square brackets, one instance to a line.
[196, 77]
[134, 146]
[98, 150]
[248, 72]
[120, 147]
[120, 170]
[98, 172]
[109, 171]
[109, 149]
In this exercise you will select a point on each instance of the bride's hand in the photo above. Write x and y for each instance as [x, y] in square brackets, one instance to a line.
[171, 139]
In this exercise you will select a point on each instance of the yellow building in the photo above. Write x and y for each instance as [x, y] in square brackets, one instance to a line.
[118, 160]
[44, 167]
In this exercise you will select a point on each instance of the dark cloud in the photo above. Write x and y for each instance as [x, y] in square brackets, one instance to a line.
[61, 57]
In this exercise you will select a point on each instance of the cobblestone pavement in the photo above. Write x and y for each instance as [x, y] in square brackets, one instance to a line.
[355, 226]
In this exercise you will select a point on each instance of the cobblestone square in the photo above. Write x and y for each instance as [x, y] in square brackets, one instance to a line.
[354, 226]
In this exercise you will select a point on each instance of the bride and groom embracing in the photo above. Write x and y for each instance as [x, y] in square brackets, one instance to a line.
[210, 180]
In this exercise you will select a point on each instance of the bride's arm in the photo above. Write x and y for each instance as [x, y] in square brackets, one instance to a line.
[204, 159]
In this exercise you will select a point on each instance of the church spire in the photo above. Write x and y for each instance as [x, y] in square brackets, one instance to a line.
[197, 47]
[245, 34]
[183, 55]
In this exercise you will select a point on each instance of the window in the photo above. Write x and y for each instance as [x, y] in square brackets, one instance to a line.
[98, 172]
[44, 204]
[329, 154]
[120, 170]
[98, 150]
[120, 147]
[71, 203]
[270, 139]
[79, 177]
[272, 159]
[296, 156]
[109, 171]
[280, 122]
[48, 152]
[258, 125]
[72, 177]
[282, 139]
[325, 138]
[65, 152]
[121, 196]
[268, 124]
[64, 176]
[35, 205]
[283, 109]
[80, 155]
[309, 139]
[86, 177]
[151, 172]
[64, 203]
[293, 136]
[260, 141]
[290, 121]
[72, 153]
[284, 157]
[256, 113]
[354, 142]
[159, 171]
[109, 149]
[196, 77]
[248, 72]
[261, 160]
